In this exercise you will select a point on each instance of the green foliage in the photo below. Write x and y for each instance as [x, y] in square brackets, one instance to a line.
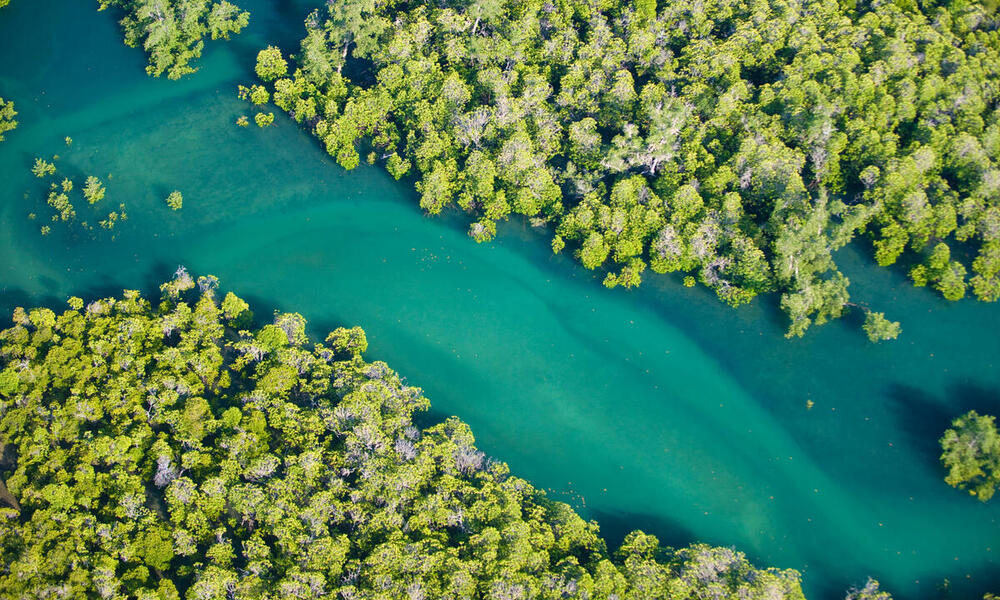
[971, 453]
[172, 31]
[270, 64]
[166, 451]
[878, 328]
[948, 276]
[263, 119]
[236, 312]
[111, 220]
[43, 168]
[738, 143]
[93, 190]
[259, 95]
[870, 591]
[175, 200]
[7, 114]
[63, 206]
[349, 342]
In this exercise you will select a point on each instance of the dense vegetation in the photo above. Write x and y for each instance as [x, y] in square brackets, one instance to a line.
[739, 142]
[157, 450]
[7, 114]
[971, 453]
[172, 31]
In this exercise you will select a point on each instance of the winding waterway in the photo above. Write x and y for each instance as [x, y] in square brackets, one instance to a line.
[660, 408]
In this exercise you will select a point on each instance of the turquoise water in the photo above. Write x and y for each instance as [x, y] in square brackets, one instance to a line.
[658, 408]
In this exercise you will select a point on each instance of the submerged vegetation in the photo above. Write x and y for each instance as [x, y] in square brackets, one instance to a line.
[737, 142]
[172, 31]
[60, 197]
[971, 453]
[171, 449]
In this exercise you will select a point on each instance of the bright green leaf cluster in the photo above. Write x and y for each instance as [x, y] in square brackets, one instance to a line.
[93, 190]
[263, 119]
[43, 168]
[878, 328]
[7, 114]
[175, 200]
[270, 64]
[971, 453]
[168, 450]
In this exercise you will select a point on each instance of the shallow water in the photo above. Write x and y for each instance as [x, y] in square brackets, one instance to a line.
[658, 408]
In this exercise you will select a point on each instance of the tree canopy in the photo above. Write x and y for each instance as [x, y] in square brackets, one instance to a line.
[739, 142]
[172, 31]
[878, 328]
[175, 200]
[971, 453]
[7, 113]
[869, 591]
[173, 450]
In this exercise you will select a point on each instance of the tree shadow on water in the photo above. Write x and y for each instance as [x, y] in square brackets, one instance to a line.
[429, 418]
[98, 286]
[974, 584]
[615, 525]
[12, 297]
[263, 309]
[922, 418]
[971, 396]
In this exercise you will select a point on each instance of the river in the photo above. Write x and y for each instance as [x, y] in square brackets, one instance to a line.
[658, 408]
